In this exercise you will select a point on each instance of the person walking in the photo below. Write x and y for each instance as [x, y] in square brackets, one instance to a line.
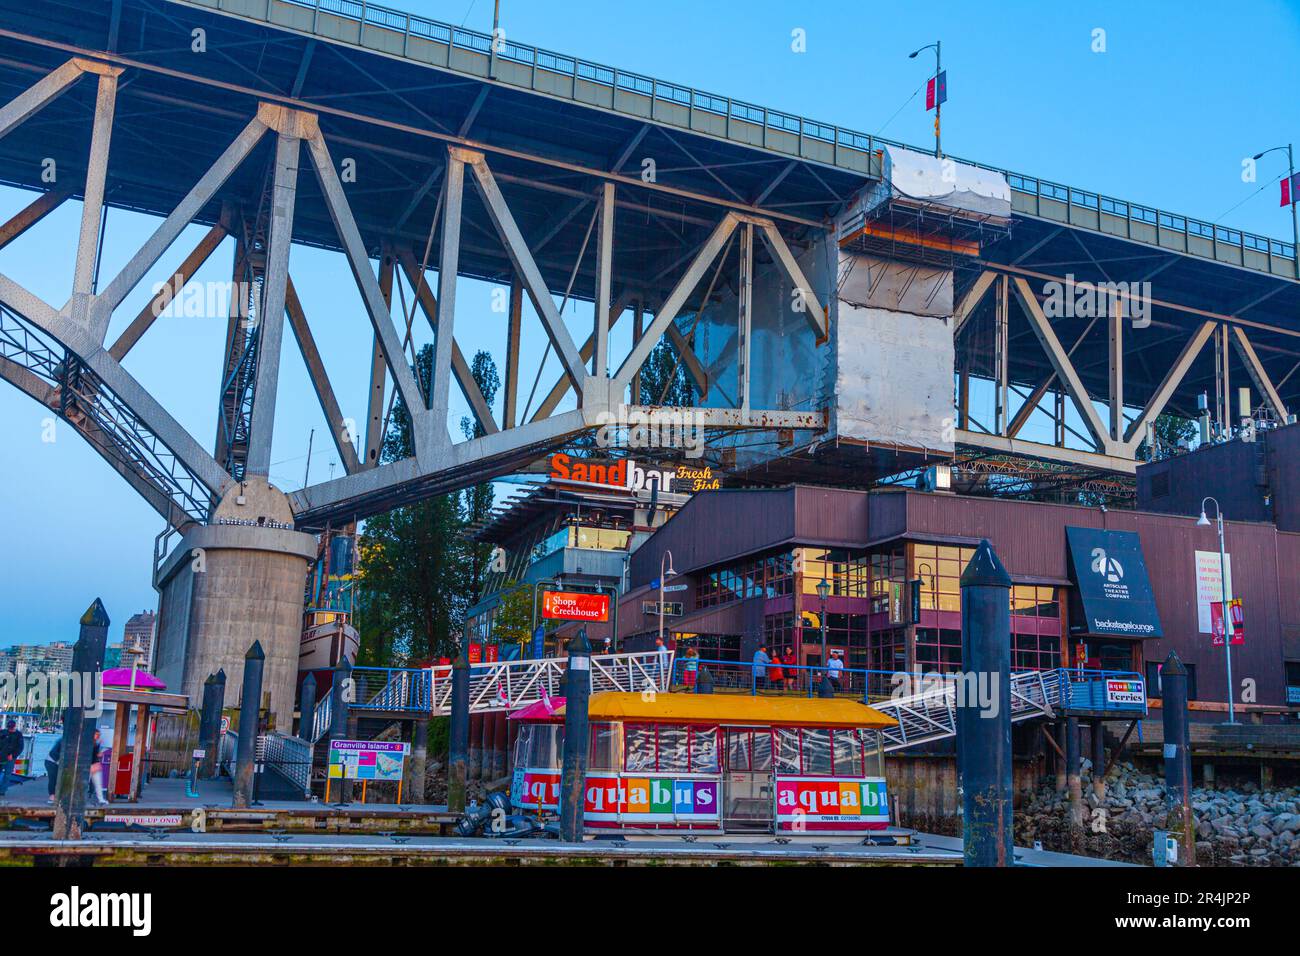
[99, 760]
[11, 748]
[835, 670]
[790, 664]
[690, 668]
[665, 657]
[775, 673]
[96, 761]
[761, 660]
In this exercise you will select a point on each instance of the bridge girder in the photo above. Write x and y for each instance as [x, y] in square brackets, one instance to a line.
[187, 487]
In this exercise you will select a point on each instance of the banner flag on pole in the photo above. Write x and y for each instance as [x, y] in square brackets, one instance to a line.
[936, 91]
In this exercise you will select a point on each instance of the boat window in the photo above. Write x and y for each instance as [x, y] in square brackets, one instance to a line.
[738, 750]
[816, 751]
[848, 753]
[787, 750]
[604, 753]
[540, 746]
[672, 750]
[762, 750]
[639, 747]
[704, 750]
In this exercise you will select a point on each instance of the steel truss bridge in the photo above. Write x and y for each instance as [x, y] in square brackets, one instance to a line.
[520, 166]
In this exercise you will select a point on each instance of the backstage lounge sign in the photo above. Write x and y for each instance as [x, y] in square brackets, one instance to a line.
[1114, 588]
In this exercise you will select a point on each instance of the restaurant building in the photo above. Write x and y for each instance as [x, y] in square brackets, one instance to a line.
[751, 561]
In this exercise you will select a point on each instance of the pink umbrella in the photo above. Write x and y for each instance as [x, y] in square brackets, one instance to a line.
[121, 677]
[539, 710]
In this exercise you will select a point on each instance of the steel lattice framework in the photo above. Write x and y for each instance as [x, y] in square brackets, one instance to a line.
[519, 166]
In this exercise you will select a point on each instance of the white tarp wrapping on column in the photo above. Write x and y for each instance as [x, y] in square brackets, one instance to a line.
[946, 182]
[894, 378]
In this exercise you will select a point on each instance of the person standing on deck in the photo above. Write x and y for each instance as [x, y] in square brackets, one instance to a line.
[11, 748]
[761, 660]
[835, 670]
[665, 656]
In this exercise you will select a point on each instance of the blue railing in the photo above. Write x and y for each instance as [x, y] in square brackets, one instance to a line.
[600, 74]
[1103, 690]
[777, 679]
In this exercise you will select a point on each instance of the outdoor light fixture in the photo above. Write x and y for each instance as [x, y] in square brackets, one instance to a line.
[1289, 193]
[938, 74]
[823, 589]
[1204, 522]
[664, 575]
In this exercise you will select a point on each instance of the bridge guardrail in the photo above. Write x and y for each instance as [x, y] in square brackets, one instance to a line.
[364, 12]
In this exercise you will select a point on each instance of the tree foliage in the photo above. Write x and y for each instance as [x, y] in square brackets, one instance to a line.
[663, 374]
[420, 572]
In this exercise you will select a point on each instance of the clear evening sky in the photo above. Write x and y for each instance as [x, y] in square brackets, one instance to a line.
[1183, 92]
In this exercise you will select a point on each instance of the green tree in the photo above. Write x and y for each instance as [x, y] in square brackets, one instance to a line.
[513, 621]
[664, 375]
[412, 561]
[1171, 431]
[420, 572]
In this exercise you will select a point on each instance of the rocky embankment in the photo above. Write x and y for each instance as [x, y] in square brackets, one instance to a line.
[1242, 826]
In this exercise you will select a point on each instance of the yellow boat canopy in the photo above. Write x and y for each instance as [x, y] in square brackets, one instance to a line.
[736, 709]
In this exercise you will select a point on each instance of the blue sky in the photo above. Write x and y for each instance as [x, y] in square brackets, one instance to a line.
[1183, 92]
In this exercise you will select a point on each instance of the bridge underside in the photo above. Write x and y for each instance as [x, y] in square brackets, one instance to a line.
[256, 137]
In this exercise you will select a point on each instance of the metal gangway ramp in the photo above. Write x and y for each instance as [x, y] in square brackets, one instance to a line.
[495, 686]
[931, 714]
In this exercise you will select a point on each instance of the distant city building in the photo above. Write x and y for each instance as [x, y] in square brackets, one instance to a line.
[50, 658]
[137, 636]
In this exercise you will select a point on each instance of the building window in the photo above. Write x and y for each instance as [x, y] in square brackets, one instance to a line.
[939, 568]
[938, 649]
[848, 574]
[1035, 652]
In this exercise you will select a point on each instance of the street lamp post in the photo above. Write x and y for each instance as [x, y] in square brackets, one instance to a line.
[1204, 522]
[663, 576]
[1295, 214]
[823, 592]
[938, 108]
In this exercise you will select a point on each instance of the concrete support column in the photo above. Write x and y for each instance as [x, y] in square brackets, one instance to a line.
[1178, 758]
[236, 580]
[1073, 771]
[500, 738]
[1098, 759]
[79, 729]
[1207, 776]
[419, 761]
[210, 723]
[306, 707]
[475, 756]
[984, 719]
[1057, 759]
[573, 772]
[250, 706]
[458, 757]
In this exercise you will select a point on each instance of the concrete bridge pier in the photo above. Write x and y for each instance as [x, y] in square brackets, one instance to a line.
[229, 583]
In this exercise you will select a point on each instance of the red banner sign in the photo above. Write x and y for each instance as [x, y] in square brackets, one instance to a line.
[575, 606]
[1238, 622]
